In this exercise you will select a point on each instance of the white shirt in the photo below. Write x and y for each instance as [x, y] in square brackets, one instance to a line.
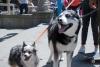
[23, 1]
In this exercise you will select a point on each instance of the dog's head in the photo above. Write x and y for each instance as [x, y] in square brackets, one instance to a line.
[68, 22]
[28, 51]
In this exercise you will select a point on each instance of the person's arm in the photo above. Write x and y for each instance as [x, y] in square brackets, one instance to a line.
[92, 4]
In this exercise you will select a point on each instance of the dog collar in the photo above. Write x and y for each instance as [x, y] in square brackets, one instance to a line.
[70, 36]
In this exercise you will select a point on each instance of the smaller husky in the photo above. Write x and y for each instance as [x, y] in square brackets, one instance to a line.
[23, 56]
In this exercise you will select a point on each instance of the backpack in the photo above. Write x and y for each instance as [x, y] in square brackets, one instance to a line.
[74, 4]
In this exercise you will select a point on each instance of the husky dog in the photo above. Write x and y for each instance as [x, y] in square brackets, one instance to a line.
[23, 56]
[62, 36]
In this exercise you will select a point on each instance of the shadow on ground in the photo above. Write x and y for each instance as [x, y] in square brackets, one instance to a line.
[7, 36]
[49, 65]
[78, 61]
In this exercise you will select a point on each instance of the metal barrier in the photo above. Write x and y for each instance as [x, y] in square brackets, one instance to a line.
[8, 7]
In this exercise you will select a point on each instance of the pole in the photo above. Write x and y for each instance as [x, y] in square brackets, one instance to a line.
[8, 7]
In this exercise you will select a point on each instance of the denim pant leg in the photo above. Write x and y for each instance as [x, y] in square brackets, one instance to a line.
[21, 8]
[26, 8]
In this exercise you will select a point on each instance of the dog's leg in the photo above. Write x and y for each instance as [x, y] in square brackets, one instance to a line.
[69, 58]
[60, 57]
[13, 65]
[56, 60]
[51, 53]
[50, 57]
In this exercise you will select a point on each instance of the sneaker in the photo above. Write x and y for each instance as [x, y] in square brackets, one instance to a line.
[82, 49]
[96, 49]
[96, 56]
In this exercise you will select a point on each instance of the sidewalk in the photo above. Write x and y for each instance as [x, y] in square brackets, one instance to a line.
[29, 36]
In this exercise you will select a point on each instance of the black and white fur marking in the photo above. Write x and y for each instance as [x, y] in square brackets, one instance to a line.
[23, 56]
[62, 36]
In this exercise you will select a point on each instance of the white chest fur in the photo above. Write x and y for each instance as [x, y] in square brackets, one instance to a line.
[69, 47]
[32, 62]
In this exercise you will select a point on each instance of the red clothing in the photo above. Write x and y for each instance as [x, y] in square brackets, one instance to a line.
[74, 4]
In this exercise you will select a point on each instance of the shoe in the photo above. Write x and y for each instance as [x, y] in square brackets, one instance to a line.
[82, 49]
[96, 55]
[95, 50]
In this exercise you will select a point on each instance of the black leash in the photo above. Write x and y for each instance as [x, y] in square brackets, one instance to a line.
[89, 13]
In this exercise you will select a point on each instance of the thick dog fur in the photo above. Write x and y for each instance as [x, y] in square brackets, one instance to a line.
[62, 36]
[23, 56]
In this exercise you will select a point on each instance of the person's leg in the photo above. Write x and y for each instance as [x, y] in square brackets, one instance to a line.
[26, 8]
[84, 30]
[98, 16]
[21, 8]
[94, 25]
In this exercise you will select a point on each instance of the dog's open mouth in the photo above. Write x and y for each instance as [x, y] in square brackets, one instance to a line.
[27, 58]
[63, 27]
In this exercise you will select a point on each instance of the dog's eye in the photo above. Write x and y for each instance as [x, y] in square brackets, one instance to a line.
[34, 50]
[24, 51]
[29, 52]
[67, 15]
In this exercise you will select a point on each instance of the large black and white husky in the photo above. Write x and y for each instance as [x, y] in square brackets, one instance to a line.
[23, 56]
[62, 36]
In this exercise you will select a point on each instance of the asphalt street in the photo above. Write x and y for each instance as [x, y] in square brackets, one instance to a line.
[12, 37]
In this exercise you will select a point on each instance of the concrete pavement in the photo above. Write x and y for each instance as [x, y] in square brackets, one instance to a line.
[15, 37]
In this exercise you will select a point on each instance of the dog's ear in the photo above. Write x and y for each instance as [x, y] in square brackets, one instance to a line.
[33, 44]
[74, 13]
[23, 46]
[34, 51]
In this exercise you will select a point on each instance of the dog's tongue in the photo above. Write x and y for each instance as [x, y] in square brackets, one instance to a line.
[62, 29]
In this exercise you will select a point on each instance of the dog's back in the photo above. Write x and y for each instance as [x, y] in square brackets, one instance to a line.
[14, 57]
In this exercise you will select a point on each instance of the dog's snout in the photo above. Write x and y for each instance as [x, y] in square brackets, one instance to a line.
[25, 55]
[59, 20]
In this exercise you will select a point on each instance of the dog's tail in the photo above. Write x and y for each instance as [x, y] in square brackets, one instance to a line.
[14, 56]
[11, 59]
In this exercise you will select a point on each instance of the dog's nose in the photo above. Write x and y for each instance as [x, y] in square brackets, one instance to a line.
[25, 55]
[59, 20]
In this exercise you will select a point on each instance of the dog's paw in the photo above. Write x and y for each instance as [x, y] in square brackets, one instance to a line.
[49, 62]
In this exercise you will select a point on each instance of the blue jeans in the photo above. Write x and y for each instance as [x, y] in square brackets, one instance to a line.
[23, 7]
